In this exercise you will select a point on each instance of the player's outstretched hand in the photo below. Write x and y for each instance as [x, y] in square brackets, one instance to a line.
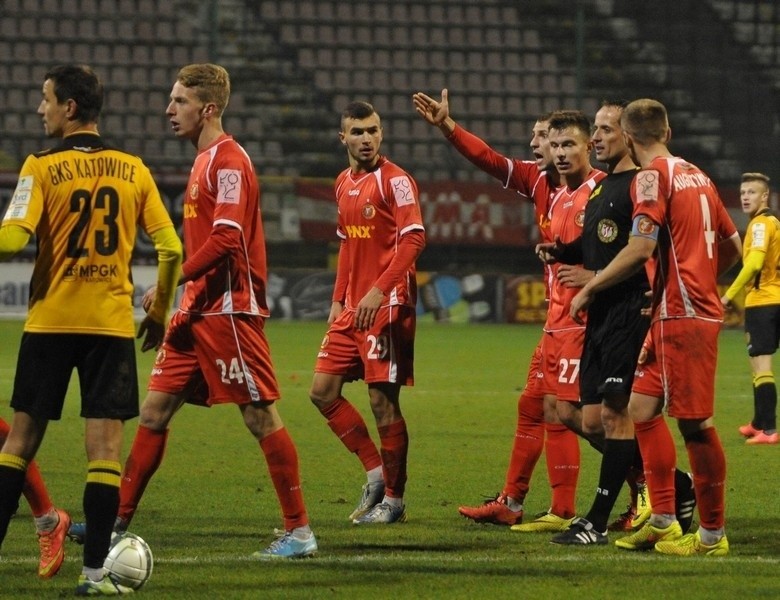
[429, 109]
[152, 332]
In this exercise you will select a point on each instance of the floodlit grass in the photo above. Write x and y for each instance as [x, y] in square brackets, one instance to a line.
[212, 503]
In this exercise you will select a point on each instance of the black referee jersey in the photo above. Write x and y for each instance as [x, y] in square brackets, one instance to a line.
[608, 223]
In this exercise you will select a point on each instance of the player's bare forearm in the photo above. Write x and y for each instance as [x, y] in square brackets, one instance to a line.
[627, 262]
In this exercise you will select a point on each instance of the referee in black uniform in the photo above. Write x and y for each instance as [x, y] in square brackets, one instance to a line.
[615, 326]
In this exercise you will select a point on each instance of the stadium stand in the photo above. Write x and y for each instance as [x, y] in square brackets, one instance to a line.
[295, 63]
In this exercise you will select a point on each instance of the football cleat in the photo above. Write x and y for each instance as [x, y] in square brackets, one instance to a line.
[685, 505]
[748, 430]
[52, 546]
[581, 533]
[494, 510]
[288, 546]
[643, 507]
[691, 544]
[77, 532]
[545, 521]
[372, 494]
[762, 437]
[648, 536]
[383, 513]
[104, 587]
[625, 522]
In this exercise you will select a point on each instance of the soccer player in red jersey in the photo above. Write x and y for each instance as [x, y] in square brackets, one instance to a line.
[372, 318]
[679, 219]
[569, 133]
[535, 181]
[215, 350]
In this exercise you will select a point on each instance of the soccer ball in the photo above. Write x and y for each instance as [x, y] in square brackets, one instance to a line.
[129, 561]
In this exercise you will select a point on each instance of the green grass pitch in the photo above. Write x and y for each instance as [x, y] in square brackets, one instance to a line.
[212, 504]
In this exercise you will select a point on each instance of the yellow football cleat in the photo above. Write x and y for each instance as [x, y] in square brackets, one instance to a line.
[545, 521]
[649, 536]
[691, 544]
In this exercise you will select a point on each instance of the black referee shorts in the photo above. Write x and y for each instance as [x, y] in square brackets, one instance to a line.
[614, 334]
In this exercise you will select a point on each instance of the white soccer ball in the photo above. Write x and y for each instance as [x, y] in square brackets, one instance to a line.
[129, 561]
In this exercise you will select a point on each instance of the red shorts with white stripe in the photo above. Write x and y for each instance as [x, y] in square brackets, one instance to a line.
[215, 359]
[382, 354]
[681, 367]
[561, 351]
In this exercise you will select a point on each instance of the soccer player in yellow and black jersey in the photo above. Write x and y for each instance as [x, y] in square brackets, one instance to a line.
[760, 276]
[83, 201]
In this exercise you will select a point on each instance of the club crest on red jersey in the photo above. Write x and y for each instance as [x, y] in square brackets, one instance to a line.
[194, 190]
[160, 358]
[368, 211]
[579, 218]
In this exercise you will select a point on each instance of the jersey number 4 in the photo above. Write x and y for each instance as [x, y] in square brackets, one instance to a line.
[106, 239]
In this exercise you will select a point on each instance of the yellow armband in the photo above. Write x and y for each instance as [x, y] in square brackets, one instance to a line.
[169, 257]
[12, 239]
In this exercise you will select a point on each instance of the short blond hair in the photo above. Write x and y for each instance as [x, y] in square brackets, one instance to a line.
[757, 177]
[211, 83]
[646, 121]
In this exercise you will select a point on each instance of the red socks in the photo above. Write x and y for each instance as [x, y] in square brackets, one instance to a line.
[527, 447]
[348, 425]
[282, 460]
[659, 457]
[34, 490]
[563, 468]
[395, 446]
[708, 463]
[145, 457]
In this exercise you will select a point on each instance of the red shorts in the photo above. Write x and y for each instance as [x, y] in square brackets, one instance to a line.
[561, 351]
[681, 367]
[215, 359]
[535, 379]
[382, 354]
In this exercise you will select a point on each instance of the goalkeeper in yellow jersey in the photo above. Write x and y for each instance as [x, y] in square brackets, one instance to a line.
[83, 201]
[760, 276]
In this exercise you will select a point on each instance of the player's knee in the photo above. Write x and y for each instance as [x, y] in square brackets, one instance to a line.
[591, 426]
[321, 398]
[157, 410]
